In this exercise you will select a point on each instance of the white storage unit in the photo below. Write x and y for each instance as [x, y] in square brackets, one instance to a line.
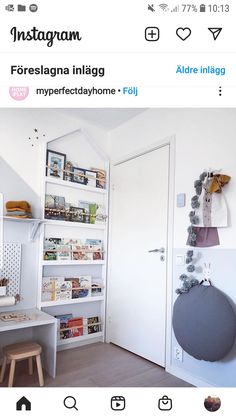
[81, 149]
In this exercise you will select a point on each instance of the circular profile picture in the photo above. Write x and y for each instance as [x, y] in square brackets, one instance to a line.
[212, 403]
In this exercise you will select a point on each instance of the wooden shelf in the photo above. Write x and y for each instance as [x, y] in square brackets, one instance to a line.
[74, 301]
[72, 262]
[74, 185]
[61, 223]
[62, 342]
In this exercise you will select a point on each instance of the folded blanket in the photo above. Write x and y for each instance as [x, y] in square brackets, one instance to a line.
[19, 206]
[18, 214]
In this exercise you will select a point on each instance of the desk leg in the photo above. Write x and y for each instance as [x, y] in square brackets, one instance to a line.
[46, 336]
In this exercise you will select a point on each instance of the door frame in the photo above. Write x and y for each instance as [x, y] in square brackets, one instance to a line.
[167, 141]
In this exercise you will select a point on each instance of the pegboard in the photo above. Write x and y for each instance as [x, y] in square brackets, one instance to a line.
[12, 267]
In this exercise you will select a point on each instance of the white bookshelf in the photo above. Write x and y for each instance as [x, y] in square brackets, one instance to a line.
[84, 306]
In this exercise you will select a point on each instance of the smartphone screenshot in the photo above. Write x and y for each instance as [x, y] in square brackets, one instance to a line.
[117, 209]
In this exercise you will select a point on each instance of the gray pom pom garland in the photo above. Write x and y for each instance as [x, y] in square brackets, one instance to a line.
[187, 281]
[190, 268]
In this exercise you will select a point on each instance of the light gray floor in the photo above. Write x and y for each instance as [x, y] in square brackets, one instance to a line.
[99, 365]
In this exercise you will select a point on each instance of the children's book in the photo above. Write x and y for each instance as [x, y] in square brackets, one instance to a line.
[85, 206]
[100, 214]
[47, 289]
[96, 288]
[96, 247]
[62, 320]
[50, 255]
[51, 243]
[64, 252]
[85, 282]
[91, 326]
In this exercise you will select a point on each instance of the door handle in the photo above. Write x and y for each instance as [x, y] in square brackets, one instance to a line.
[161, 250]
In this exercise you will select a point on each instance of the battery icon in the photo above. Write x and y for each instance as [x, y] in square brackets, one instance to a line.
[202, 8]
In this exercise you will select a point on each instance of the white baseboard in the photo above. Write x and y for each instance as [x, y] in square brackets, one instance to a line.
[191, 379]
[78, 344]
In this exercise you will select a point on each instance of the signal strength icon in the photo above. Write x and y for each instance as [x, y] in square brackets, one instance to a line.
[164, 7]
[175, 9]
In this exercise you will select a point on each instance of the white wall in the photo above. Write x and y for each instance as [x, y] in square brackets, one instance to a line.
[204, 138]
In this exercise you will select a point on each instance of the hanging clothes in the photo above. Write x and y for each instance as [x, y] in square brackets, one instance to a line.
[218, 182]
[213, 211]
[205, 237]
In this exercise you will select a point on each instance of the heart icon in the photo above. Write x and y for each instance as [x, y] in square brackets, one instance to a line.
[183, 33]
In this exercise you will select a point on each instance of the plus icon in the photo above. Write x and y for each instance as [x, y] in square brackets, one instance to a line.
[152, 33]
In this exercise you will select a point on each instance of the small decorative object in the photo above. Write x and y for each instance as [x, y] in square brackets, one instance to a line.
[101, 178]
[77, 214]
[206, 274]
[91, 177]
[79, 176]
[92, 212]
[68, 174]
[55, 164]
[3, 286]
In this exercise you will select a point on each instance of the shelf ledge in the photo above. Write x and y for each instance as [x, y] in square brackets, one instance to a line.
[80, 338]
[74, 224]
[74, 185]
[72, 262]
[74, 301]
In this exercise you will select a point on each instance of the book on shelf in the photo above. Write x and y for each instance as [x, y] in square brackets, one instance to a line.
[62, 323]
[63, 252]
[56, 289]
[47, 294]
[85, 284]
[51, 243]
[85, 206]
[100, 178]
[70, 241]
[100, 214]
[96, 288]
[92, 325]
[96, 248]
[54, 207]
[49, 255]
[79, 253]
[76, 325]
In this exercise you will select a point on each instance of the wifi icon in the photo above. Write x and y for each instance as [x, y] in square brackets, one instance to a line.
[164, 7]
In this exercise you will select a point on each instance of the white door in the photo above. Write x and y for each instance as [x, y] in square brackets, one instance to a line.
[137, 282]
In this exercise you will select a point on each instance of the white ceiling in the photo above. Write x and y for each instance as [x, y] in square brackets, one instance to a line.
[103, 117]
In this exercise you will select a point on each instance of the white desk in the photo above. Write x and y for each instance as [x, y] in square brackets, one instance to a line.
[42, 329]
